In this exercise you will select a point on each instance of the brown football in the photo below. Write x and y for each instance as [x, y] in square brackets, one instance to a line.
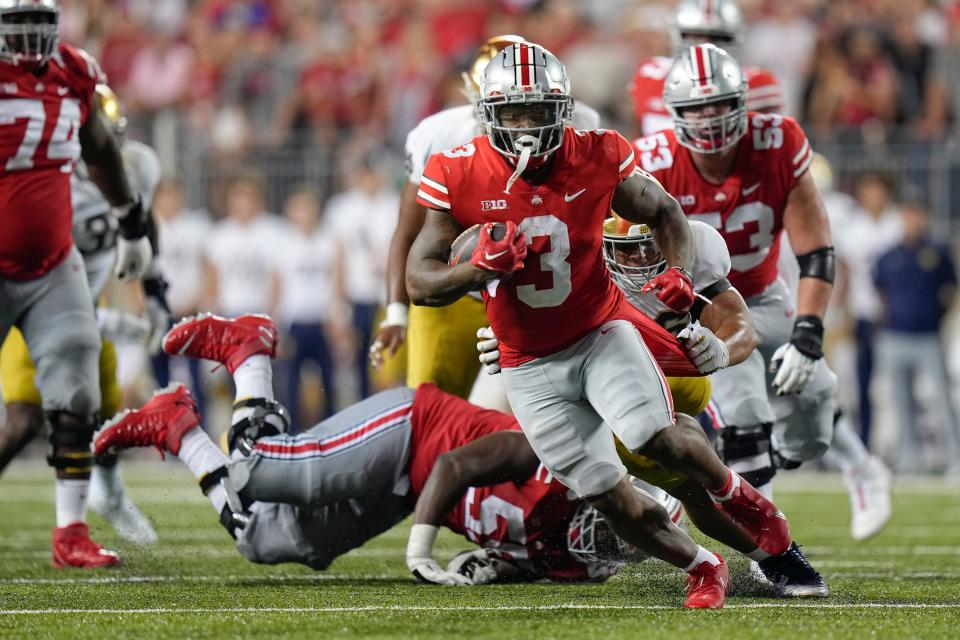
[464, 245]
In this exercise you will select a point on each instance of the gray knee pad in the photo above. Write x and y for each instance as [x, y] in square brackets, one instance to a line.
[68, 373]
[805, 422]
[747, 451]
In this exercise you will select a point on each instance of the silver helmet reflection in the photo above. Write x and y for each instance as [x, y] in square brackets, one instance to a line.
[706, 94]
[699, 21]
[525, 84]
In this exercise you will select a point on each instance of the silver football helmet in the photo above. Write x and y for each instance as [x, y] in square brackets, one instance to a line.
[29, 30]
[525, 84]
[631, 253]
[708, 80]
[699, 21]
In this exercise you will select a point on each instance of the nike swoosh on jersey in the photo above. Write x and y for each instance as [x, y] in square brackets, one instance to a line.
[748, 190]
[570, 198]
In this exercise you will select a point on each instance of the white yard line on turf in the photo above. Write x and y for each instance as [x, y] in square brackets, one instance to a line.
[462, 610]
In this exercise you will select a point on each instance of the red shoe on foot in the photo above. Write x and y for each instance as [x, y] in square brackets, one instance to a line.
[224, 340]
[708, 585]
[169, 414]
[72, 547]
[760, 517]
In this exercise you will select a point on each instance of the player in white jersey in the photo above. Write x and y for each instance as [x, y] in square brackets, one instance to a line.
[95, 235]
[439, 338]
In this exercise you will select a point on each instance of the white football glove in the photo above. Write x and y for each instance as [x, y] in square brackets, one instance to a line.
[133, 258]
[427, 570]
[480, 566]
[489, 348]
[420, 558]
[794, 370]
[706, 350]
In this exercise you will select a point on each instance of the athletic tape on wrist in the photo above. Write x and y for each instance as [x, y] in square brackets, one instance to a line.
[421, 540]
[397, 315]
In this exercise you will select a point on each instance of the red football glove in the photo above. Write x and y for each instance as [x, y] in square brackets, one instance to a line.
[674, 289]
[500, 256]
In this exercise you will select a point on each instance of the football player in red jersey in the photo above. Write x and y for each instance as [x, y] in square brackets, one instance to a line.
[698, 22]
[574, 363]
[746, 175]
[312, 497]
[48, 120]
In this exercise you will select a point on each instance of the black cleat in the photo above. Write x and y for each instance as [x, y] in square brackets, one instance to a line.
[791, 575]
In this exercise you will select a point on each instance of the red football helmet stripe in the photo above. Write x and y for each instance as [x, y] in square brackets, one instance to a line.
[701, 65]
[526, 59]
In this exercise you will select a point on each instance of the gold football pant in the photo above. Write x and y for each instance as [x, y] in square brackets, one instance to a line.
[442, 345]
[690, 396]
[17, 373]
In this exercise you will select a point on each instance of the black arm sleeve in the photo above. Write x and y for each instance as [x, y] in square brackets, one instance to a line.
[819, 263]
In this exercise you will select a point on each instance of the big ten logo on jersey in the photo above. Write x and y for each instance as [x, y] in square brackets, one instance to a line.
[767, 131]
[493, 205]
[30, 115]
[463, 151]
[655, 154]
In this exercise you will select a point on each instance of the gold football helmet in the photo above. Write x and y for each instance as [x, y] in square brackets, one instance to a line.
[111, 109]
[487, 52]
[631, 253]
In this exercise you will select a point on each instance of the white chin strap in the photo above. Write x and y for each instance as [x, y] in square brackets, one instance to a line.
[526, 145]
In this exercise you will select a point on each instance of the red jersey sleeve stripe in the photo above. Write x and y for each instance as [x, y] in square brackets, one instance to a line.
[626, 163]
[433, 184]
[430, 201]
[803, 167]
[797, 159]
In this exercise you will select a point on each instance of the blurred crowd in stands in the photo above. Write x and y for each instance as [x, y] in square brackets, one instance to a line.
[248, 86]
[249, 74]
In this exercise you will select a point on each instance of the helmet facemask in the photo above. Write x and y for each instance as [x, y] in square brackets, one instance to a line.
[710, 134]
[706, 95]
[525, 105]
[633, 258]
[592, 541]
[545, 117]
[28, 36]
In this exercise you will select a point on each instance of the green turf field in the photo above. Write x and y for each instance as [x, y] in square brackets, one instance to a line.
[903, 584]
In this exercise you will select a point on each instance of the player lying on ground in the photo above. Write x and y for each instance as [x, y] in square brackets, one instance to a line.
[312, 497]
